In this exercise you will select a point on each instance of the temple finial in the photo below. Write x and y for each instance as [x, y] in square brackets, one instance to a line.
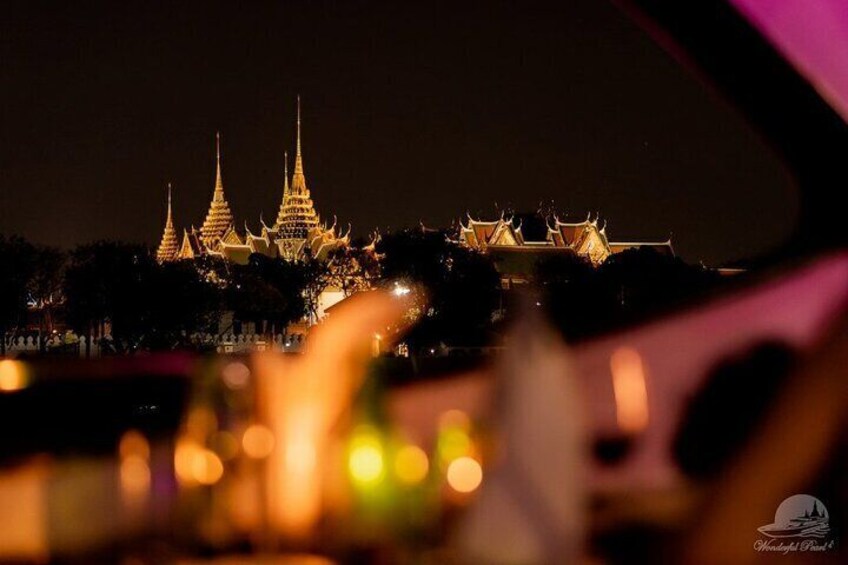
[298, 157]
[219, 183]
[169, 221]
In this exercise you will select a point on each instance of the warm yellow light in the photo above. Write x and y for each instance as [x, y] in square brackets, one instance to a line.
[134, 444]
[411, 464]
[401, 290]
[196, 464]
[631, 394]
[258, 441]
[135, 476]
[366, 456]
[206, 467]
[235, 375]
[464, 474]
[13, 375]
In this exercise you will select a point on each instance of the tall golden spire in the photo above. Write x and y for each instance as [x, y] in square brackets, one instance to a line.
[168, 246]
[298, 179]
[219, 182]
[219, 217]
[297, 213]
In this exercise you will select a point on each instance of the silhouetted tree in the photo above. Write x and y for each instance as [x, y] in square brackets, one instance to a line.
[583, 301]
[181, 303]
[462, 284]
[109, 282]
[17, 265]
[268, 290]
[45, 287]
[352, 269]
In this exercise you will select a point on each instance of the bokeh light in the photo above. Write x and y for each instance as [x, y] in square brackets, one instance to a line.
[258, 441]
[365, 462]
[464, 474]
[236, 375]
[195, 464]
[206, 467]
[13, 375]
[135, 476]
[134, 444]
[411, 464]
[454, 419]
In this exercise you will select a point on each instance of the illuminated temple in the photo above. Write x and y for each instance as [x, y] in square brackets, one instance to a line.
[515, 243]
[515, 254]
[296, 234]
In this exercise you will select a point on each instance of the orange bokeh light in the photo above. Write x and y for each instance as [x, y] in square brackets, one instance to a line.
[258, 441]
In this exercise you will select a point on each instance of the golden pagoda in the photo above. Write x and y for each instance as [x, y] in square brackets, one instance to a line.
[296, 234]
[219, 218]
[169, 246]
[297, 214]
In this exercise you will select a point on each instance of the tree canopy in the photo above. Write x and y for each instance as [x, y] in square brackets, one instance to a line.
[462, 284]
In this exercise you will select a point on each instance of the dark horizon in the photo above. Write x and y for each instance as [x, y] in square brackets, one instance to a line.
[410, 113]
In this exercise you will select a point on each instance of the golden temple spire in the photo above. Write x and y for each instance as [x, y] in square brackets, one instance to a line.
[168, 247]
[298, 179]
[297, 214]
[169, 221]
[298, 162]
[219, 217]
[219, 182]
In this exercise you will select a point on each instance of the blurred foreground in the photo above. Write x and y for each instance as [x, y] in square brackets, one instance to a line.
[673, 441]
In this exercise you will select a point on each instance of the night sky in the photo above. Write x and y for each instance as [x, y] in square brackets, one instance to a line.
[410, 112]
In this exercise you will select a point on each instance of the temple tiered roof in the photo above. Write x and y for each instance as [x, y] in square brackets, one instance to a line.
[297, 214]
[169, 246]
[514, 254]
[219, 218]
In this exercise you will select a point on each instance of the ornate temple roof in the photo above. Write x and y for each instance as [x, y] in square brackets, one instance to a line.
[191, 245]
[503, 239]
[219, 218]
[297, 213]
[169, 245]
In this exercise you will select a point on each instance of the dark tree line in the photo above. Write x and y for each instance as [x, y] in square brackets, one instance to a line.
[583, 301]
[119, 289]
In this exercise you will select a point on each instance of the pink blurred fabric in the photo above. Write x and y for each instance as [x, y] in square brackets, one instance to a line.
[678, 352]
[813, 36]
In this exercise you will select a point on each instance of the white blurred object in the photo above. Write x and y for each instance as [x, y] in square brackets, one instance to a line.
[531, 508]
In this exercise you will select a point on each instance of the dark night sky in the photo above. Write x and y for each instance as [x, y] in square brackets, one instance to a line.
[409, 112]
